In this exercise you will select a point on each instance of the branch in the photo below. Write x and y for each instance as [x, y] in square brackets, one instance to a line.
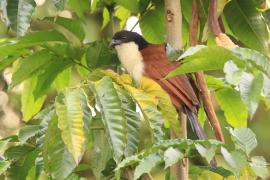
[206, 97]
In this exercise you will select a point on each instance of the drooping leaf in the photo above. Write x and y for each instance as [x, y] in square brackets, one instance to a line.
[247, 24]
[172, 156]
[207, 152]
[19, 14]
[244, 139]
[232, 73]
[70, 114]
[153, 25]
[27, 132]
[206, 59]
[30, 104]
[259, 166]
[169, 113]
[148, 104]
[57, 159]
[146, 165]
[47, 75]
[132, 122]
[30, 65]
[250, 89]
[112, 115]
[235, 159]
[228, 99]
[4, 165]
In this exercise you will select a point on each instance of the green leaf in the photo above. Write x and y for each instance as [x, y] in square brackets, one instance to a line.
[98, 55]
[106, 17]
[191, 50]
[17, 152]
[133, 122]
[70, 114]
[30, 104]
[132, 5]
[152, 25]
[233, 73]
[30, 65]
[112, 115]
[208, 153]
[228, 99]
[259, 166]
[244, 139]
[80, 7]
[7, 61]
[99, 155]
[74, 26]
[235, 159]
[122, 14]
[248, 24]
[27, 132]
[60, 4]
[257, 59]
[19, 14]
[202, 116]
[57, 159]
[31, 174]
[250, 89]
[214, 83]
[172, 156]
[32, 39]
[48, 75]
[147, 164]
[63, 79]
[4, 165]
[206, 59]
[147, 104]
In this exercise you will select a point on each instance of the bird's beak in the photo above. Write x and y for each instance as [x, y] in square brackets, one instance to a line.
[114, 42]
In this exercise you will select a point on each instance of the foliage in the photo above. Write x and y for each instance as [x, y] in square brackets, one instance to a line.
[73, 109]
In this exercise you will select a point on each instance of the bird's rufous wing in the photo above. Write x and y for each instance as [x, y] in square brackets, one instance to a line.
[157, 66]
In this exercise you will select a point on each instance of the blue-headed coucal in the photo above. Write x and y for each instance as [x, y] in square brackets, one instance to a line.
[141, 58]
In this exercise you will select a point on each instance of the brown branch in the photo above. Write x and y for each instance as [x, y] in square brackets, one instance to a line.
[213, 18]
[206, 97]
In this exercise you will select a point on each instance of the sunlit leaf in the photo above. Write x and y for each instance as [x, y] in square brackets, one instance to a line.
[228, 99]
[207, 152]
[131, 4]
[259, 166]
[4, 165]
[106, 18]
[232, 73]
[172, 156]
[70, 114]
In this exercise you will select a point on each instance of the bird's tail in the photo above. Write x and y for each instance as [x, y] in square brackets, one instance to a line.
[195, 124]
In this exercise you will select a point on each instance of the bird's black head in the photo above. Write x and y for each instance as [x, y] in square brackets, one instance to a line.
[128, 36]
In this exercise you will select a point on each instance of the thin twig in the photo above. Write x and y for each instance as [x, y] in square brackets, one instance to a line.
[142, 15]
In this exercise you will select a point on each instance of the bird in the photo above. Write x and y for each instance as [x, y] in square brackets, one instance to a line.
[141, 58]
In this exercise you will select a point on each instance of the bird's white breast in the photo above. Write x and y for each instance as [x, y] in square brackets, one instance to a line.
[131, 58]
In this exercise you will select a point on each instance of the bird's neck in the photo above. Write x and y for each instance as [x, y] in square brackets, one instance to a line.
[132, 59]
[154, 52]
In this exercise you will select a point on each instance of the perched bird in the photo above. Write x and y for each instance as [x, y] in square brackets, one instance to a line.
[141, 58]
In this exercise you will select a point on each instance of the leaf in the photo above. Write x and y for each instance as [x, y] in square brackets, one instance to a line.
[30, 104]
[206, 59]
[112, 115]
[60, 4]
[63, 79]
[259, 166]
[146, 165]
[19, 14]
[244, 139]
[247, 23]
[31, 174]
[132, 5]
[57, 159]
[7, 61]
[235, 159]
[233, 73]
[214, 83]
[80, 8]
[48, 75]
[30, 65]
[27, 132]
[191, 50]
[147, 104]
[122, 14]
[98, 55]
[4, 165]
[106, 17]
[228, 99]
[152, 25]
[133, 122]
[208, 153]
[250, 89]
[69, 109]
[202, 116]
[172, 156]
[32, 39]
[74, 26]
[169, 113]
[17, 152]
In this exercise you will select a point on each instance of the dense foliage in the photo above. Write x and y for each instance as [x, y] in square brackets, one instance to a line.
[80, 118]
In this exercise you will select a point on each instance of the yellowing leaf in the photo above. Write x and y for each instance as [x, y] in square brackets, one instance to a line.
[69, 109]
